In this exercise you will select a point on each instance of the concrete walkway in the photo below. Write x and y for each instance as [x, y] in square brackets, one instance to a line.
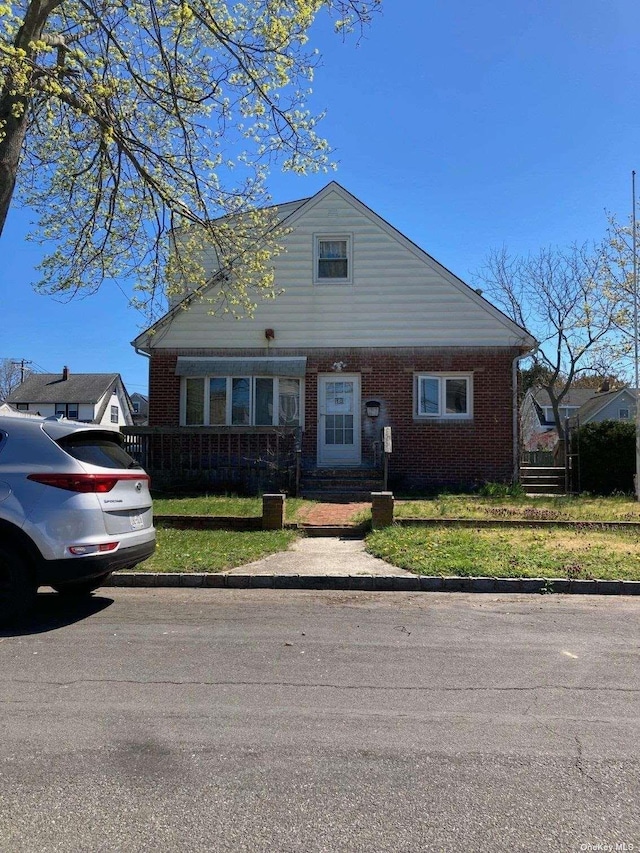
[321, 556]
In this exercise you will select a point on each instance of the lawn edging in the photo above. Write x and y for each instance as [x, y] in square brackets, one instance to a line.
[376, 583]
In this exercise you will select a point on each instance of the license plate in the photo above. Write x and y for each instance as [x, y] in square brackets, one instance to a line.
[137, 522]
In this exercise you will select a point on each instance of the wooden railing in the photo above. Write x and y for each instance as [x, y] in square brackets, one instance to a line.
[250, 459]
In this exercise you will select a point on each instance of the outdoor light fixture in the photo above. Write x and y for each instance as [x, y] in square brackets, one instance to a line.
[269, 334]
[372, 408]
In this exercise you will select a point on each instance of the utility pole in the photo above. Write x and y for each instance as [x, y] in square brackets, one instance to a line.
[635, 328]
[22, 365]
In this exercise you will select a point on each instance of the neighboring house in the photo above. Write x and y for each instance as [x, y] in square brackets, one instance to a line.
[98, 398]
[580, 405]
[140, 408]
[370, 332]
[6, 409]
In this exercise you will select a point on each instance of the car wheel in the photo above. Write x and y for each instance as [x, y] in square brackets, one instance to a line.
[80, 588]
[17, 586]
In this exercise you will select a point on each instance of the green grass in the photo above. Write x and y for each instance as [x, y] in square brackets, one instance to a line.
[224, 505]
[567, 508]
[213, 550]
[522, 552]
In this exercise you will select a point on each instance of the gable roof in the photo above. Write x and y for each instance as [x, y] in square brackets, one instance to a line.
[599, 401]
[294, 211]
[587, 401]
[52, 388]
[574, 397]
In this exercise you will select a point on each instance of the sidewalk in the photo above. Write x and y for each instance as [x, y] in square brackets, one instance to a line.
[322, 556]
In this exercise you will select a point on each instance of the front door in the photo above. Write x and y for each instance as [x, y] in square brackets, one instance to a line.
[339, 419]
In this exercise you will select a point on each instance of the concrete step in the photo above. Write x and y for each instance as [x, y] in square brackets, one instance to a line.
[342, 531]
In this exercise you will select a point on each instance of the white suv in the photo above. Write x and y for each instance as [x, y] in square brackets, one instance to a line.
[74, 506]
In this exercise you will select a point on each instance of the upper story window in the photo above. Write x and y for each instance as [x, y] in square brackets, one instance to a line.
[114, 414]
[242, 401]
[333, 259]
[624, 414]
[443, 396]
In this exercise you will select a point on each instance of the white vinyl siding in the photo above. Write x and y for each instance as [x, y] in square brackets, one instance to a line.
[241, 401]
[445, 396]
[399, 297]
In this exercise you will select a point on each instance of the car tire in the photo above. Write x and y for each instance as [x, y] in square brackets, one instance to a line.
[17, 584]
[79, 589]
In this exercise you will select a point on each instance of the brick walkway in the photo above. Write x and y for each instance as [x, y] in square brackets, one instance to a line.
[334, 513]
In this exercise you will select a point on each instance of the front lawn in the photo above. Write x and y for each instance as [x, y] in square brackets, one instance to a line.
[213, 550]
[498, 552]
[568, 508]
[223, 505]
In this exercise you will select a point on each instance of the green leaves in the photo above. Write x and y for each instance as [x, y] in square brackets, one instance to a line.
[144, 117]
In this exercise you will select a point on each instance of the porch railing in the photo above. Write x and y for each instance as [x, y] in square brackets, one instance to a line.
[248, 458]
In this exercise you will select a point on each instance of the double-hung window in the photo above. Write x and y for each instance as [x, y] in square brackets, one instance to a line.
[333, 259]
[440, 395]
[242, 401]
[67, 410]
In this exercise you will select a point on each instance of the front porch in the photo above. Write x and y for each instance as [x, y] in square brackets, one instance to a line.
[246, 460]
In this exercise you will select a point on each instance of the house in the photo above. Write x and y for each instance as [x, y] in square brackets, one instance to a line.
[140, 408]
[369, 332]
[580, 405]
[98, 398]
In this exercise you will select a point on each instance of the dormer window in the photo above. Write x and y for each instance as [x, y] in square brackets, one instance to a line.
[333, 259]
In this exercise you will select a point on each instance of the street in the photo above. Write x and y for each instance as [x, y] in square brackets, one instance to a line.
[267, 720]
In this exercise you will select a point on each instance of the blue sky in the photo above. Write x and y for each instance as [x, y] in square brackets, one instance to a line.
[467, 126]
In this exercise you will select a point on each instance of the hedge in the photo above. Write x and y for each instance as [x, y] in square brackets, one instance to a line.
[607, 456]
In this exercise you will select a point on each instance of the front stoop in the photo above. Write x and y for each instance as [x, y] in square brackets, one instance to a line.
[339, 531]
[543, 481]
[340, 485]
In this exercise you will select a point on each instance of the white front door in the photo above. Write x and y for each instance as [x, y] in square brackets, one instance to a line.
[339, 419]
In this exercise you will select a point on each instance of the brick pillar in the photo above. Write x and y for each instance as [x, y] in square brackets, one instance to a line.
[381, 509]
[273, 512]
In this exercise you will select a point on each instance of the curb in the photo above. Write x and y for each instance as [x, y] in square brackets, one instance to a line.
[375, 583]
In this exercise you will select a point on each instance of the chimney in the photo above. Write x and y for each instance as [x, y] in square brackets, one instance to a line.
[65, 373]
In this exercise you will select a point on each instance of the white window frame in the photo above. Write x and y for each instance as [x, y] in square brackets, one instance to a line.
[442, 414]
[229, 402]
[319, 238]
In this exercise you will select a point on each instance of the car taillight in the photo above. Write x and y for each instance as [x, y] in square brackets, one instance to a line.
[86, 483]
[83, 550]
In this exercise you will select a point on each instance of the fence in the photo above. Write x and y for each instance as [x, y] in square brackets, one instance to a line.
[246, 459]
[538, 458]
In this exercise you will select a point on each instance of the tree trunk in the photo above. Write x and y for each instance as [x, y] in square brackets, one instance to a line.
[10, 149]
[14, 108]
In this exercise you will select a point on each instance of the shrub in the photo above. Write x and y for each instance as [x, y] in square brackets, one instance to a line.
[607, 456]
[501, 490]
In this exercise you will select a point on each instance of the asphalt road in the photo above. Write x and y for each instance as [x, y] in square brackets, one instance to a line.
[233, 720]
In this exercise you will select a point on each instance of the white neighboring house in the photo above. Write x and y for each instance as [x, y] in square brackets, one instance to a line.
[585, 404]
[97, 398]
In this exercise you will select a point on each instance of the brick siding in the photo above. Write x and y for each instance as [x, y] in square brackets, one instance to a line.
[426, 453]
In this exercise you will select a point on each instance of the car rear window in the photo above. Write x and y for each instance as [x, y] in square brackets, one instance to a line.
[101, 450]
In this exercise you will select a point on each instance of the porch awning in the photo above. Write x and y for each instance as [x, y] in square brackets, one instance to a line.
[203, 366]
